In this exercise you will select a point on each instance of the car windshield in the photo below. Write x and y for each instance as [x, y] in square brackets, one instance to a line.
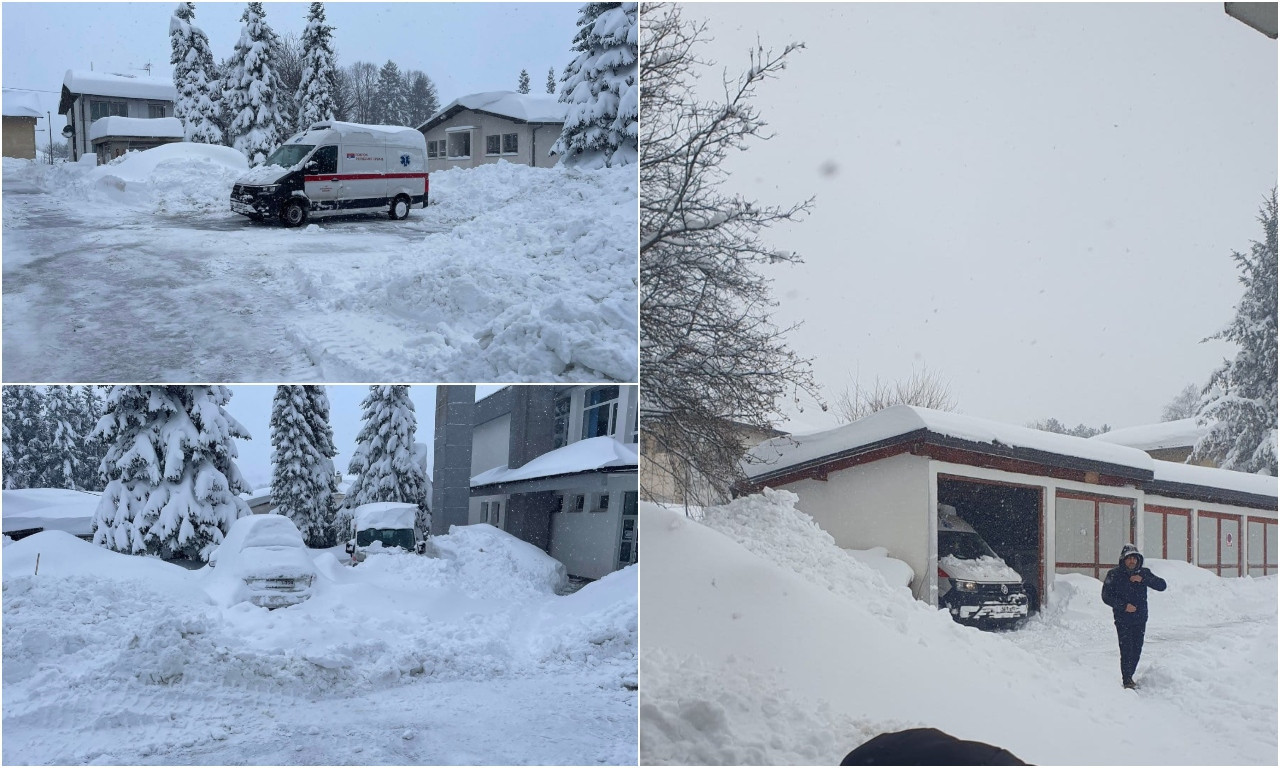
[290, 155]
[390, 537]
[963, 545]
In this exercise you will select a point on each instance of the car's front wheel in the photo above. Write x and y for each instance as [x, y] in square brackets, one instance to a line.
[294, 214]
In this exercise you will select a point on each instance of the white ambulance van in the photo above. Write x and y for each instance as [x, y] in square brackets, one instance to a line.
[337, 168]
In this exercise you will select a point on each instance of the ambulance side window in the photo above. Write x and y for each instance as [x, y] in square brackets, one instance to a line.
[327, 160]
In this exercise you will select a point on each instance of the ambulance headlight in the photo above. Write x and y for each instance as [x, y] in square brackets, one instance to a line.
[965, 586]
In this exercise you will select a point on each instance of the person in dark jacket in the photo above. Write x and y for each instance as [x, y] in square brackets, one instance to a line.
[927, 746]
[1125, 590]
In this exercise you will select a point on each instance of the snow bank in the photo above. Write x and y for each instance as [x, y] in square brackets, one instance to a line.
[754, 654]
[490, 562]
[172, 179]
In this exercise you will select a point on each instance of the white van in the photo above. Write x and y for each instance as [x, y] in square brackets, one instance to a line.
[974, 584]
[337, 168]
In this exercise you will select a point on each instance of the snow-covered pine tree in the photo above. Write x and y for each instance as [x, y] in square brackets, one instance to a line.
[251, 90]
[1239, 402]
[392, 95]
[524, 81]
[62, 465]
[25, 437]
[385, 460]
[600, 87]
[322, 437]
[195, 77]
[92, 448]
[551, 80]
[302, 478]
[173, 485]
[315, 96]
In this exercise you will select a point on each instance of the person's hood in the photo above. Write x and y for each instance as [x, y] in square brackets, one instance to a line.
[1129, 549]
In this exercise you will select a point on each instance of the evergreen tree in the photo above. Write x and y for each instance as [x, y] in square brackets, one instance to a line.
[195, 77]
[385, 460]
[524, 81]
[1239, 402]
[600, 87]
[551, 80]
[302, 480]
[173, 484]
[63, 461]
[25, 437]
[252, 89]
[319, 71]
[423, 100]
[392, 95]
[92, 448]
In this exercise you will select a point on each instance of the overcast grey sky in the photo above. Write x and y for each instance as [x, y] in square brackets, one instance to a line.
[251, 406]
[463, 47]
[1038, 202]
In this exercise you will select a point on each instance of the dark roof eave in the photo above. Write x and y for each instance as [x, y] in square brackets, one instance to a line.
[498, 486]
[1214, 495]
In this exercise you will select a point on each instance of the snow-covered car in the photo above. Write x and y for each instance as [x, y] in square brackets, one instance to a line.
[384, 523]
[337, 168]
[974, 584]
[263, 560]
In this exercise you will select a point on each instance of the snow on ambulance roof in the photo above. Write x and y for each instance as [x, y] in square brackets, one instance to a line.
[385, 514]
[899, 420]
[159, 127]
[521, 107]
[1150, 437]
[384, 132]
[588, 455]
[126, 86]
[20, 104]
[49, 508]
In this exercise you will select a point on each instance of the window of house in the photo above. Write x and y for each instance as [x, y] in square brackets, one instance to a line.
[496, 511]
[557, 503]
[484, 511]
[510, 143]
[577, 502]
[492, 144]
[602, 505]
[156, 110]
[432, 148]
[100, 109]
[562, 421]
[460, 145]
[600, 412]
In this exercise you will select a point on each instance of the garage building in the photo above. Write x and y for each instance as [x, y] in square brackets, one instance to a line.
[1046, 503]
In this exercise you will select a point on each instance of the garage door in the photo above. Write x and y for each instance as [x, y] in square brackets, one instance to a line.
[1089, 532]
[1262, 547]
[1166, 533]
[1218, 543]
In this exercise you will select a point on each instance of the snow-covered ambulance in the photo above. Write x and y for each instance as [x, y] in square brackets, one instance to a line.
[974, 584]
[337, 168]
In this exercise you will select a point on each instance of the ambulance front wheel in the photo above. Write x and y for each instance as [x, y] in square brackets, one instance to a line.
[294, 214]
[400, 207]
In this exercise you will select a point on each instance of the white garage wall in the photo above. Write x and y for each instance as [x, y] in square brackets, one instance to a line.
[587, 542]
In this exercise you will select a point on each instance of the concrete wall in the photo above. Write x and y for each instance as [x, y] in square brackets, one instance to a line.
[587, 542]
[451, 481]
[492, 441]
[20, 137]
[534, 141]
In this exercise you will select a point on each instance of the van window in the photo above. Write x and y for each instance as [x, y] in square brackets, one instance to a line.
[290, 155]
[326, 158]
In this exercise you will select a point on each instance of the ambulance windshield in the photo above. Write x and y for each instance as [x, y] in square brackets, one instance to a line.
[963, 545]
[290, 155]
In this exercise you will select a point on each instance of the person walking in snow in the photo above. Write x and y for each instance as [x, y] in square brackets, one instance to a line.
[1125, 590]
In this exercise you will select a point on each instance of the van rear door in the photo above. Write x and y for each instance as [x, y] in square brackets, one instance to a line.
[407, 173]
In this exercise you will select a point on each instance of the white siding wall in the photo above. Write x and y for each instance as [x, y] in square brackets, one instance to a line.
[587, 542]
[491, 445]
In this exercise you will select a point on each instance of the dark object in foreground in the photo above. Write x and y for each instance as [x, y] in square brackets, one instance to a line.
[927, 746]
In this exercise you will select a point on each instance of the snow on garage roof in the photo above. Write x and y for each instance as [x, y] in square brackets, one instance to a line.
[385, 514]
[1150, 437]
[54, 509]
[20, 104]
[1171, 472]
[900, 420]
[590, 455]
[522, 107]
[144, 127]
[125, 86]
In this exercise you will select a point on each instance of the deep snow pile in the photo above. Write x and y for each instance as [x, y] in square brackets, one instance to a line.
[104, 654]
[753, 656]
[179, 178]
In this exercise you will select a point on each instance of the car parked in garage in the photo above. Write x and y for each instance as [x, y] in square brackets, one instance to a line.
[974, 584]
[264, 561]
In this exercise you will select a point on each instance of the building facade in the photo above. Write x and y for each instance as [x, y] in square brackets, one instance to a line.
[555, 466]
[90, 96]
[19, 129]
[488, 127]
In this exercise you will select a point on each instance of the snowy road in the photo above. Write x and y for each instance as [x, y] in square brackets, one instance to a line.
[513, 274]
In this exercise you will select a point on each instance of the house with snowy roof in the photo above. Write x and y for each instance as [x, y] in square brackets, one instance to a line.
[21, 110]
[497, 125]
[90, 96]
[555, 466]
[1168, 440]
[1046, 503]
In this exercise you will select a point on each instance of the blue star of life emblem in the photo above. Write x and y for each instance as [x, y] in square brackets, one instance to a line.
[404, 160]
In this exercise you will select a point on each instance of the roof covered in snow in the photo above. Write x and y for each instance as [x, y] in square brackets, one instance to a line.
[784, 457]
[385, 514]
[78, 81]
[20, 104]
[591, 455]
[53, 509]
[153, 127]
[520, 107]
[1150, 437]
